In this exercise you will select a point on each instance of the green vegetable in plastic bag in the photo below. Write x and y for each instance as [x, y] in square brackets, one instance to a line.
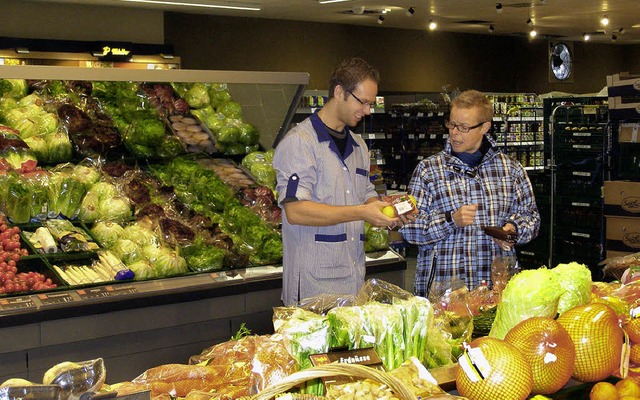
[530, 293]
[575, 281]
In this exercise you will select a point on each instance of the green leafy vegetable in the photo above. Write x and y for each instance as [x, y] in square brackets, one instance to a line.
[530, 293]
[575, 282]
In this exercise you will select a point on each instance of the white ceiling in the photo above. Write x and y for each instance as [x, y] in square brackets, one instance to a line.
[556, 19]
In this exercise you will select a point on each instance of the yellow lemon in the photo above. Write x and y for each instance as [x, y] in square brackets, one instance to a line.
[413, 200]
[628, 387]
[603, 391]
[389, 211]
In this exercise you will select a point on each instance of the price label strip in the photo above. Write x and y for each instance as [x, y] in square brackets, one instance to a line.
[55, 298]
[17, 303]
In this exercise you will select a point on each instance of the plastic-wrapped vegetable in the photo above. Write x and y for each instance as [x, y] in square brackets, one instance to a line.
[170, 263]
[70, 238]
[107, 233]
[18, 201]
[530, 293]
[307, 333]
[65, 192]
[142, 270]
[575, 281]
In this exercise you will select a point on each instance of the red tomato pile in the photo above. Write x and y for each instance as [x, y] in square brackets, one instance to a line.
[11, 280]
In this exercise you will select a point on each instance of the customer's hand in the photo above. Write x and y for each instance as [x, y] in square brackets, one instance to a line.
[465, 215]
[504, 245]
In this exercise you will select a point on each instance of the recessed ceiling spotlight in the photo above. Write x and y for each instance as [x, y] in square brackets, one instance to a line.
[499, 8]
[621, 31]
[586, 37]
[432, 25]
[380, 20]
[529, 22]
[533, 33]
[358, 10]
[385, 10]
[491, 28]
[604, 21]
[410, 11]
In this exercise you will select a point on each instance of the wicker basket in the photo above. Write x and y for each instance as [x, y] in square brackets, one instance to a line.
[329, 370]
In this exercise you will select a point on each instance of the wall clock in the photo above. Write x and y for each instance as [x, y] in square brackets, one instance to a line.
[561, 61]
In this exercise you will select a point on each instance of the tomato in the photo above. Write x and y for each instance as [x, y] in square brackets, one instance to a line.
[15, 257]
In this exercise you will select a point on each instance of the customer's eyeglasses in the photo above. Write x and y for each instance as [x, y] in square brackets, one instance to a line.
[461, 128]
[364, 103]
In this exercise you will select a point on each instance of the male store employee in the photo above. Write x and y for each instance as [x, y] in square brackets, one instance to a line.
[325, 191]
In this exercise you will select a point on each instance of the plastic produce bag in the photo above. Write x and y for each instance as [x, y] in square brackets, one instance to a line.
[251, 363]
[531, 293]
[76, 378]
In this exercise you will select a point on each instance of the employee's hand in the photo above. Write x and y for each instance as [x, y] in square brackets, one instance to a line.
[372, 213]
[465, 215]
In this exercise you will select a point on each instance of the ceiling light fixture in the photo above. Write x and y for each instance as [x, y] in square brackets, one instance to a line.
[614, 38]
[499, 8]
[621, 31]
[533, 33]
[359, 10]
[410, 11]
[22, 50]
[331, 1]
[491, 28]
[385, 10]
[529, 22]
[604, 21]
[586, 37]
[380, 20]
[185, 4]
[432, 25]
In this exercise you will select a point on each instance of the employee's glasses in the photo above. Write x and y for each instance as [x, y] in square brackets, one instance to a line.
[461, 128]
[364, 103]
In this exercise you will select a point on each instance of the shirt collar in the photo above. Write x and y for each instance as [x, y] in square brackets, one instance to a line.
[324, 136]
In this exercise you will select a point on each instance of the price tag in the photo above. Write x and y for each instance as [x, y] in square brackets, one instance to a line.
[398, 157]
[406, 115]
[121, 289]
[430, 114]
[528, 253]
[446, 136]
[576, 204]
[17, 303]
[55, 298]
[411, 136]
[582, 134]
[581, 146]
[420, 158]
[580, 173]
[440, 114]
[93, 293]
[421, 136]
[372, 136]
[580, 234]
[432, 136]
[420, 115]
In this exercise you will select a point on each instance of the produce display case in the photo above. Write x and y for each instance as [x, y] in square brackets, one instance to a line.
[141, 323]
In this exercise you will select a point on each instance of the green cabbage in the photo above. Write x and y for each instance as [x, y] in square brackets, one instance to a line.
[107, 233]
[530, 293]
[89, 208]
[230, 109]
[197, 96]
[140, 234]
[116, 208]
[13, 88]
[142, 270]
[575, 281]
[170, 263]
[127, 251]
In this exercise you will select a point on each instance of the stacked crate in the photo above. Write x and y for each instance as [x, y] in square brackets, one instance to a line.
[624, 96]
[622, 213]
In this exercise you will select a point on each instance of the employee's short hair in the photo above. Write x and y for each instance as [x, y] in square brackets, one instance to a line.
[474, 98]
[350, 72]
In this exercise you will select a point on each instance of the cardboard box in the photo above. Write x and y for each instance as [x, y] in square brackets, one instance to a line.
[629, 133]
[623, 234]
[613, 253]
[622, 198]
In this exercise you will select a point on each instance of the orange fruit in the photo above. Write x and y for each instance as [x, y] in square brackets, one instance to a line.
[389, 211]
[603, 391]
[509, 375]
[595, 331]
[549, 350]
[628, 387]
[633, 330]
[634, 354]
